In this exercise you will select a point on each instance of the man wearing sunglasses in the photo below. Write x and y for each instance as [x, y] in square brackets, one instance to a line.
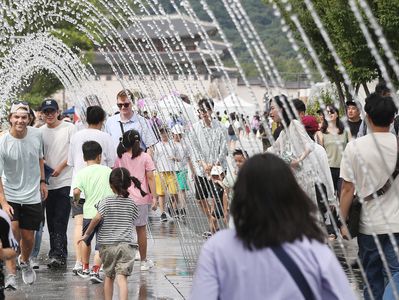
[128, 119]
[23, 187]
[57, 135]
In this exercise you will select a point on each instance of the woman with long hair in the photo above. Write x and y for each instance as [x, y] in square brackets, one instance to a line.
[140, 166]
[333, 137]
[276, 232]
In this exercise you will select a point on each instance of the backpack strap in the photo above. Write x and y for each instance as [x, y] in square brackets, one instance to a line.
[294, 271]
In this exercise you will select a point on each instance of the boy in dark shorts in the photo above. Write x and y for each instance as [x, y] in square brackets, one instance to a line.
[93, 182]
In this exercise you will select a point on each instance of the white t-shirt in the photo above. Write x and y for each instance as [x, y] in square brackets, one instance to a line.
[182, 153]
[56, 143]
[162, 157]
[75, 153]
[20, 168]
[364, 166]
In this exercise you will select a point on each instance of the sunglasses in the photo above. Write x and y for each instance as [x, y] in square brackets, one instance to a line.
[49, 112]
[125, 105]
[330, 112]
[21, 102]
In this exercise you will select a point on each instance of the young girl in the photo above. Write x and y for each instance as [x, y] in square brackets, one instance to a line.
[115, 236]
[141, 166]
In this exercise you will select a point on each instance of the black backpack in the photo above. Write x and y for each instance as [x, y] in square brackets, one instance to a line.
[230, 130]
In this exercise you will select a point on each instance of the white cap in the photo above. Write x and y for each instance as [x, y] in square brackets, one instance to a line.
[177, 129]
[216, 170]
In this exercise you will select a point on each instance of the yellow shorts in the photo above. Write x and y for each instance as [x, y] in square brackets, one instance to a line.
[165, 179]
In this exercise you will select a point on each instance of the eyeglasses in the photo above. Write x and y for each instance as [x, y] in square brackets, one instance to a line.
[49, 112]
[125, 105]
[330, 112]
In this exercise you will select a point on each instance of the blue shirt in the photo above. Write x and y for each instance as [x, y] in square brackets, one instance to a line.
[136, 122]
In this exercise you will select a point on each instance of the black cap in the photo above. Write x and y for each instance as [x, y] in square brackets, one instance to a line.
[353, 103]
[49, 104]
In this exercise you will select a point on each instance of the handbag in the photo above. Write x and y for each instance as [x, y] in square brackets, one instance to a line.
[356, 206]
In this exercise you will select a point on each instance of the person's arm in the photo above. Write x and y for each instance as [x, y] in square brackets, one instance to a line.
[226, 210]
[347, 192]
[151, 183]
[43, 186]
[93, 223]
[3, 201]
[76, 195]
[58, 169]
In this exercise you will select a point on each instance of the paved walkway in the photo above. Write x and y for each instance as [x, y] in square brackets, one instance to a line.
[169, 278]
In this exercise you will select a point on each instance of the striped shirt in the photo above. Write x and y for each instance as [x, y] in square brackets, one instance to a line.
[117, 214]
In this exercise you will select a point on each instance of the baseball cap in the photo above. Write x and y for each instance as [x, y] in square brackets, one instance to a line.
[49, 104]
[353, 103]
[216, 170]
[177, 129]
[19, 105]
[310, 124]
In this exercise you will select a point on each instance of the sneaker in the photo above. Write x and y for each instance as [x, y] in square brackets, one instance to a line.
[146, 265]
[11, 282]
[207, 234]
[56, 263]
[137, 256]
[164, 218]
[84, 273]
[34, 263]
[28, 274]
[78, 266]
[96, 278]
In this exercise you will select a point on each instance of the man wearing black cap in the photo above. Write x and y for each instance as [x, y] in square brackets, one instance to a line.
[353, 109]
[56, 139]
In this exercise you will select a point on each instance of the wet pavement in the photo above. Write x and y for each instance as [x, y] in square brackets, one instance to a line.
[169, 278]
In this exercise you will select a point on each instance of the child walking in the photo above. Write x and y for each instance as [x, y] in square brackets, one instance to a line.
[141, 166]
[115, 236]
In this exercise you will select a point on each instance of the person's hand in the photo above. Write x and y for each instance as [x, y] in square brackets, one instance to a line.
[7, 208]
[43, 191]
[57, 171]
[82, 238]
[154, 205]
[295, 164]
[345, 232]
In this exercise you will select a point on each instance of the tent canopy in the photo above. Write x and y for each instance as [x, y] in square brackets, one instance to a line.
[234, 104]
[174, 105]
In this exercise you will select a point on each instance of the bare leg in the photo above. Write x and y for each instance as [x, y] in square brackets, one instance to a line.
[27, 242]
[206, 210]
[142, 241]
[77, 233]
[162, 203]
[97, 259]
[122, 283]
[108, 288]
[10, 263]
[85, 252]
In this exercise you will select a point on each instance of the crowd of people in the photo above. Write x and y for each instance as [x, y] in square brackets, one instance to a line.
[110, 179]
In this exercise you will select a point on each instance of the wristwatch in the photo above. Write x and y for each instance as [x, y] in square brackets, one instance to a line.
[42, 181]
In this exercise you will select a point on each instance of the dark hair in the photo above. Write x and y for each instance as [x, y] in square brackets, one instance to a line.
[286, 108]
[240, 152]
[381, 110]
[338, 122]
[206, 104]
[125, 93]
[91, 149]
[299, 105]
[130, 140]
[268, 211]
[163, 130]
[381, 88]
[233, 116]
[95, 115]
[120, 180]
[32, 117]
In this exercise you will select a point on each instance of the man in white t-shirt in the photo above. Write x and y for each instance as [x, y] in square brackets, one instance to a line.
[56, 138]
[366, 166]
[22, 186]
[95, 117]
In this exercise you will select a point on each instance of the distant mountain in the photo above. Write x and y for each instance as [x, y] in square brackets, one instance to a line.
[268, 27]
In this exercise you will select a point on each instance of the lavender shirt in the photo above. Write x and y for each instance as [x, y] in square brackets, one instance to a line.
[226, 270]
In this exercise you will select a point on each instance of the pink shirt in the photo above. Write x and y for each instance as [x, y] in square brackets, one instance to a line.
[137, 167]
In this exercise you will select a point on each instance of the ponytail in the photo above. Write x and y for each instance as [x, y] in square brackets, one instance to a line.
[137, 185]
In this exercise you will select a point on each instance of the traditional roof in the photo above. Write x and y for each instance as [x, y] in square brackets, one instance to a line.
[170, 25]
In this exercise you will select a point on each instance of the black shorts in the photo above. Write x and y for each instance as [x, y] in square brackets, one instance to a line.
[29, 216]
[202, 188]
[86, 223]
[77, 209]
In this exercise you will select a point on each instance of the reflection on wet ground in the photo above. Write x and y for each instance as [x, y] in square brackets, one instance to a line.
[169, 278]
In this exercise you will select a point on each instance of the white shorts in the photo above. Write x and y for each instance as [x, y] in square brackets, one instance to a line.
[142, 219]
